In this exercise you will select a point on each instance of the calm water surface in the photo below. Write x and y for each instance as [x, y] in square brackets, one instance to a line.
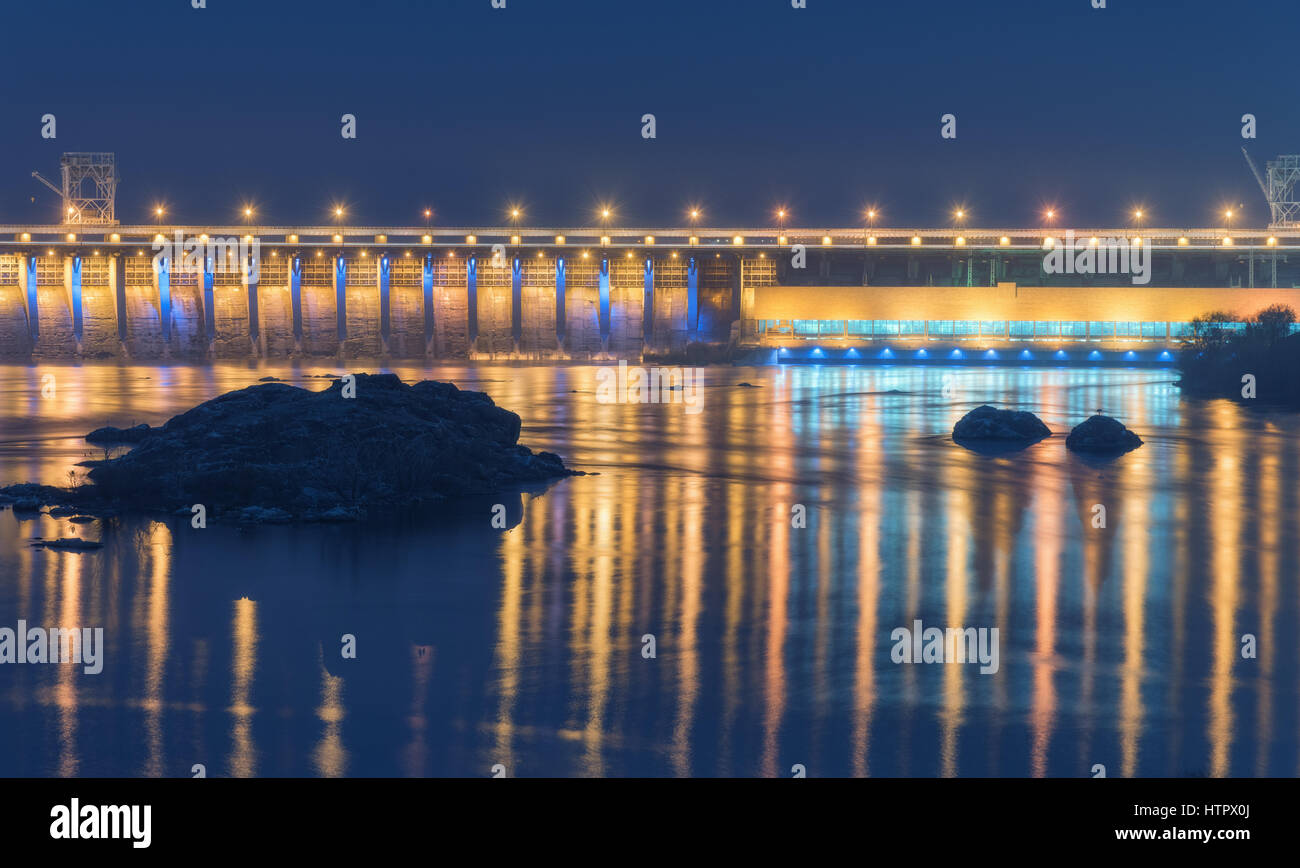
[477, 647]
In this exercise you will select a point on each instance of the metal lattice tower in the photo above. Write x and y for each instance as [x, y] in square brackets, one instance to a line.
[1280, 189]
[1283, 173]
[89, 188]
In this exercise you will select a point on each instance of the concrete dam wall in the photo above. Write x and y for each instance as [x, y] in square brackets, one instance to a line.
[371, 306]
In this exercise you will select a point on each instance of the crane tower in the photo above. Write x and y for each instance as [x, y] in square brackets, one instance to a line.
[89, 188]
[1280, 189]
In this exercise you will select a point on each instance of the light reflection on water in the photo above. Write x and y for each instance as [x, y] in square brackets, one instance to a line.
[1119, 646]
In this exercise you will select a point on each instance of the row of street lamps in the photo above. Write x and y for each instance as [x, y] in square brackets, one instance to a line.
[693, 215]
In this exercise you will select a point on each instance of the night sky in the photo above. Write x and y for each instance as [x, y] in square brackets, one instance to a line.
[465, 108]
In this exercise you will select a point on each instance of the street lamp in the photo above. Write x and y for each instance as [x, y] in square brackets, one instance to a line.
[604, 212]
[1227, 216]
[338, 216]
[516, 214]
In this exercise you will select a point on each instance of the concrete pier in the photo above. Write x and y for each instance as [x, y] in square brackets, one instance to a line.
[209, 303]
[295, 301]
[162, 285]
[30, 276]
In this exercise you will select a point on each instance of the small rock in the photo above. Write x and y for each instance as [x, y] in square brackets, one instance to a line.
[1102, 435]
[1003, 426]
[62, 511]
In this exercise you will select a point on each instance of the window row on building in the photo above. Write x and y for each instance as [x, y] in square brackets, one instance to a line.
[972, 329]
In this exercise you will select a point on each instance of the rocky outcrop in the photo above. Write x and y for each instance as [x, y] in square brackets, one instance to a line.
[275, 452]
[989, 425]
[1102, 435]
[110, 435]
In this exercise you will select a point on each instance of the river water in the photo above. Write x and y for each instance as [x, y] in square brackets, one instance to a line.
[766, 547]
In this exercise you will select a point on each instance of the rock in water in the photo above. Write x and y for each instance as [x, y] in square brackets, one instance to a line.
[273, 448]
[119, 435]
[1102, 435]
[1005, 427]
[70, 544]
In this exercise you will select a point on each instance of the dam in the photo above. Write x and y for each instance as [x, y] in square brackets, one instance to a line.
[70, 292]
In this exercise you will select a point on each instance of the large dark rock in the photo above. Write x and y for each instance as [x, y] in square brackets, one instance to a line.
[1102, 435]
[275, 452]
[1003, 427]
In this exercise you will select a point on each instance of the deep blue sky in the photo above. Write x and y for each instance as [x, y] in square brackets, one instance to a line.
[463, 107]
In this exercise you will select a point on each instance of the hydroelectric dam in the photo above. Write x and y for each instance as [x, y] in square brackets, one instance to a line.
[204, 293]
